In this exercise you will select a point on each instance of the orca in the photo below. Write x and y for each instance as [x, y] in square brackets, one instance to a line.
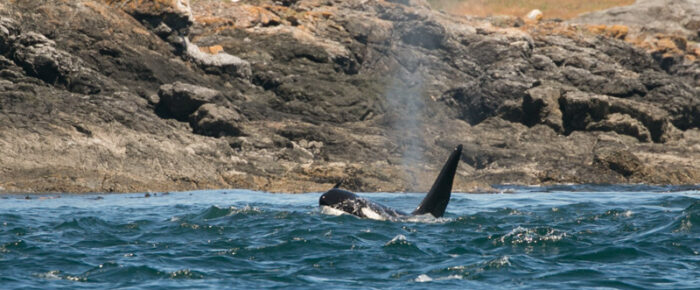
[434, 203]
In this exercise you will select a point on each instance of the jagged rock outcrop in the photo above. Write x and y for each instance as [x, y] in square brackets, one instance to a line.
[216, 121]
[668, 29]
[40, 58]
[653, 16]
[179, 100]
[297, 95]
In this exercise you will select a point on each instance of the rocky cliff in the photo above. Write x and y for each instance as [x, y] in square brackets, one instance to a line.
[130, 95]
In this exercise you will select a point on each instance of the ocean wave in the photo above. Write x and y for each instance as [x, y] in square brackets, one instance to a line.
[608, 254]
[399, 245]
[483, 242]
[689, 219]
[115, 272]
[81, 223]
[214, 212]
[537, 235]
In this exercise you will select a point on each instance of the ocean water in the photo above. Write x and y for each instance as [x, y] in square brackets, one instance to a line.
[531, 237]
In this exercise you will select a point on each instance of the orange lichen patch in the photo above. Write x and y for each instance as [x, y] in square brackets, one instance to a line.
[290, 16]
[615, 31]
[99, 8]
[578, 31]
[320, 14]
[250, 16]
[597, 29]
[213, 21]
[286, 12]
[696, 51]
[139, 30]
[214, 49]
[279, 10]
[680, 41]
[618, 31]
[551, 8]
[666, 45]
[223, 28]
[548, 28]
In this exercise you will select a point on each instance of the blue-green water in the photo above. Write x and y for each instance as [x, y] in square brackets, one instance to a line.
[556, 237]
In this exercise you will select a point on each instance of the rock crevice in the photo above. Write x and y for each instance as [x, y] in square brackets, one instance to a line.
[297, 95]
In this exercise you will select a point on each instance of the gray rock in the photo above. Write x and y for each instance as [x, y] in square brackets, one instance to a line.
[620, 161]
[426, 34]
[179, 100]
[216, 121]
[622, 124]
[542, 62]
[368, 30]
[581, 109]
[40, 58]
[656, 16]
[8, 30]
[541, 106]
[370, 91]
[218, 63]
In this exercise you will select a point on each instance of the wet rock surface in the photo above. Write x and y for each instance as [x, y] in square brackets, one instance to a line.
[114, 96]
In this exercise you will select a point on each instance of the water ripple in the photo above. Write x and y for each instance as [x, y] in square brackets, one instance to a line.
[539, 238]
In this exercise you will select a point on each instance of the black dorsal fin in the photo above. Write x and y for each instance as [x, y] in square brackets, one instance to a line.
[338, 184]
[435, 202]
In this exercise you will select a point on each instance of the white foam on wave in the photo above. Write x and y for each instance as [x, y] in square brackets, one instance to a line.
[50, 275]
[499, 262]
[246, 209]
[427, 218]
[57, 275]
[423, 278]
[397, 238]
[520, 235]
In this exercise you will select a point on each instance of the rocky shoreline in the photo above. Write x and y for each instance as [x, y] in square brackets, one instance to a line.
[293, 96]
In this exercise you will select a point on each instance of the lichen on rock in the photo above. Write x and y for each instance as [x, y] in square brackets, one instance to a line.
[293, 96]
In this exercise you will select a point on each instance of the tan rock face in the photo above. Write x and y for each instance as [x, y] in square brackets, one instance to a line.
[615, 31]
[664, 28]
[297, 95]
[153, 7]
